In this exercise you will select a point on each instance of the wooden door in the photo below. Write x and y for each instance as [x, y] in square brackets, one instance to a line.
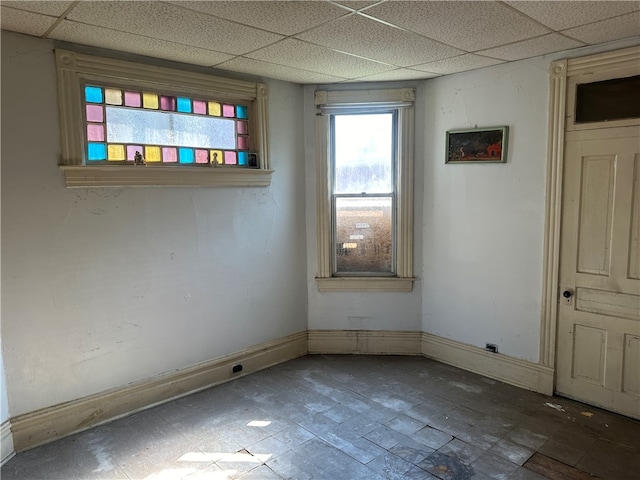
[598, 349]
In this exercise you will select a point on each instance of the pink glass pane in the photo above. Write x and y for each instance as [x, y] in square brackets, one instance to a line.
[95, 133]
[243, 128]
[169, 155]
[168, 103]
[132, 99]
[202, 156]
[230, 158]
[132, 149]
[200, 107]
[95, 113]
[228, 111]
[243, 143]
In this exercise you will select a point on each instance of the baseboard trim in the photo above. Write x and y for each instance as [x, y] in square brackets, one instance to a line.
[369, 342]
[51, 423]
[6, 442]
[511, 370]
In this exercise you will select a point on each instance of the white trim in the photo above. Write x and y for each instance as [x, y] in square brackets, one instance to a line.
[511, 370]
[327, 101]
[366, 342]
[75, 68]
[6, 442]
[365, 284]
[51, 423]
[619, 60]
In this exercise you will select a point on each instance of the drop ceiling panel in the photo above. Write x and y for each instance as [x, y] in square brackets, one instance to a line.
[306, 56]
[365, 37]
[270, 70]
[533, 47]
[53, 7]
[286, 18]
[462, 63]
[130, 43]
[396, 75]
[172, 23]
[563, 15]
[357, 4]
[25, 22]
[616, 28]
[470, 26]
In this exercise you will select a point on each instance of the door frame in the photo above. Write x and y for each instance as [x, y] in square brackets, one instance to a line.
[562, 76]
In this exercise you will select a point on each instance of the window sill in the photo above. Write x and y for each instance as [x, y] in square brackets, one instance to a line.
[365, 284]
[140, 176]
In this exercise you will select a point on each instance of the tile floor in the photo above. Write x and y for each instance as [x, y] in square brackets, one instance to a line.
[343, 418]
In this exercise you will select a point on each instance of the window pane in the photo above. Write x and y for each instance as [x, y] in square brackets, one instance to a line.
[608, 100]
[363, 153]
[364, 235]
[151, 127]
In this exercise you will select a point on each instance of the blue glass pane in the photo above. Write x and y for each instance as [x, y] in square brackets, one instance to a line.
[184, 105]
[186, 155]
[243, 158]
[97, 151]
[93, 94]
[241, 111]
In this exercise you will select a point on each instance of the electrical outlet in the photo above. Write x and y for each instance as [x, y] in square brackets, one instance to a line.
[491, 347]
[237, 368]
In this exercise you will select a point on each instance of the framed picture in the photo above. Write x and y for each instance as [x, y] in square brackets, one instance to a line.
[477, 145]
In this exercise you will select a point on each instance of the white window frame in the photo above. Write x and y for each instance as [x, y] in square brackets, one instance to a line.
[353, 101]
[74, 69]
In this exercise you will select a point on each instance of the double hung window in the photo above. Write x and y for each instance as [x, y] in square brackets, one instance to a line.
[364, 173]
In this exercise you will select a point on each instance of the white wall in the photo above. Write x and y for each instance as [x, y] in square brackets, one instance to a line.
[102, 287]
[4, 405]
[353, 310]
[484, 223]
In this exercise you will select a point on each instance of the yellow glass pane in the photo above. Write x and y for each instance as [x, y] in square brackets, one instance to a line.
[150, 100]
[214, 109]
[152, 154]
[115, 153]
[215, 156]
[113, 96]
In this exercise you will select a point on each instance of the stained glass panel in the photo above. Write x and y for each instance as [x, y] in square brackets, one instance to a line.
[202, 156]
[113, 96]
[242, 111]
[185, 155]
[228, 111]
[93, 94]
[95, 133]
[214, 109]
[150, 100]
[243, 128]
[216, 157]
[131, 151]
[132, 99]
[184, 105]
[169, 155]
[95, 113]
[96, 151]
[243, 143]
[152, 154]
[243, 159]
[168, 103]
[115, 152]
[199, 107]
[230, 158]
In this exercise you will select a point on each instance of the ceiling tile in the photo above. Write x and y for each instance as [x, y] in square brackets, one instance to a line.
[258, 68]
[53, 7]
[356, 4]
[284, 17]
[563, 15]
[395, 75]
[306, 56]
[368, 38]
[466, 25]
[462, 63]
[616, 28]
[25, 22]
[172, 23]
[533, 47]
[127, 42]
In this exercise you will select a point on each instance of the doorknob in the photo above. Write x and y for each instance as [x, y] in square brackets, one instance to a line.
[566, 294]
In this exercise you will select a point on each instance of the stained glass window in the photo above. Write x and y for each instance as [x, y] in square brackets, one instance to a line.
[163, 129]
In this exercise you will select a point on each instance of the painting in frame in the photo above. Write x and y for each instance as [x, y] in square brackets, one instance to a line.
[477, 145]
